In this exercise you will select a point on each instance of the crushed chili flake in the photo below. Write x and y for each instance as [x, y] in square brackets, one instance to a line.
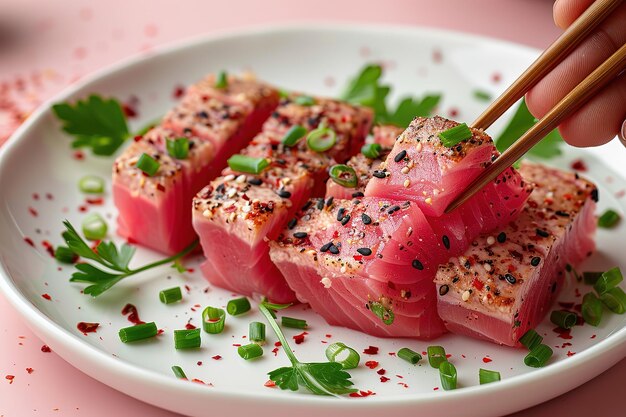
[448, 355]
[236, 344]
[579, 165]
[381, 371]
[593, 336]
[216, 357]
[49, 196]
[392, 353]
[487, 359]
[496, 77]
[160, 332]
[436, 389]
[362, 394]
[133, 315]
[78, 155]
[384, 379]
[371, 364]
[95, 201]
[10, 378]
[30, 370]
[329, 336]
[269, 383]
[275, 351]
[299, 338]
[46, 349]
[478, 284]
[178, 92]
[189, 326]
[33, 212]
[404, 384]
[278, 344]
[570, 353]
[187, 288]
[29, 241]
[46, 296]
[87, 327]
[563, 333]
[372, 350]
[35, 196]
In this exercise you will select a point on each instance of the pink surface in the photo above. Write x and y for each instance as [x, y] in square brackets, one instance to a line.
[44, 46]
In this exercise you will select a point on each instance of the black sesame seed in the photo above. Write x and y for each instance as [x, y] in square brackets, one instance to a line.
[255, 181]
[501, 237]
[379, 174]
[455, 280]
[333, 249]
[202, 114]
[446, 241]
[535, 261]
[329, 202]
[326, 247]
[400, 156]
[340, 213]
[307, 205]
[393, 209]
[542, 233]
[358, 194]
[594, 195]
[320, 204]
[417, 265]
[292, 223]
[345, 220]
[561, 213]
[443, 290]
[510, 278]
[366, 219]
[300, 235]
[364, 251]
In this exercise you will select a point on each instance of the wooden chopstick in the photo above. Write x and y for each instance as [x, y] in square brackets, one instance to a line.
[599, 78]
[588, 21]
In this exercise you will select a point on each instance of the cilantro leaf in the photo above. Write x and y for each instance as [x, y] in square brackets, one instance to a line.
[522, 120]
[95, 123]
[367, 90]
[321, 378]
[112, 263]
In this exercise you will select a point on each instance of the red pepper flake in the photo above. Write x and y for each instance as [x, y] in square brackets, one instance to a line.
[478, 284]
[463, 356]
[46, 349]
[189, 326]
[216, 357]
[403, 384]
[160, 187]
[329, 336]
[299, 338]
[270, 384]
[563, 333]
[10, 378]
[133, 315]
[49, 196]
[391, 353]
[371, 364]
[48, 246]
[30, 370]
[453, 112]
[129, 111]
[187, 289]
[35, 196]
[178, 92]
[593, 336]
[29, 241]
[381, 371]
[579, 165]
[437, 56]
[362, 394]
[436, 389]
[47, 297]
[424, 353]
[236, 344]
[190, 270]
[95, 201]
[620, 194]
[275, 351]
[448, 355]
[87, 327]
[277, 344]
[496, 77]
[384, 379]
[199, 363]
[570, 353]
[33, 212]
[372, 350]
[357, 257]
[78, 155]
[83, 209]
[160, 332]
[487, 359]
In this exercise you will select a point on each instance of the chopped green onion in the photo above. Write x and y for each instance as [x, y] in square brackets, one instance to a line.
[177, 148]
[344, 175]
[615, 300]
[591, 309]
[187, 338]
[222, 80]
[293, 135]
[609, 219]
[293, 323]
[91, 184]
[447, 374]
[178, 371]
[171, 295]
[409, 355]
[178, 266]
[256, 332]
[436, 356]
[282, 93]
[371, 150]
[538, 357]
[350, 359]
[321, 139]
[486, 376]
[591, 277]
[304, 100]
[454, 135]
[213, 320]
[250, 351]
[531, 339]
[563, 319]
[148, 164]
[608, 280]
[65, 255]
[243, 163]
[94, 227]
[380, 311]
[482, 95]
[238, 306]
[138, 332]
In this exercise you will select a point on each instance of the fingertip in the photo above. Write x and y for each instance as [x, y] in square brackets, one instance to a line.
[565, 12]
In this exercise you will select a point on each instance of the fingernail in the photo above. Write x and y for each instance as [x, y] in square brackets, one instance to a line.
[622, 133]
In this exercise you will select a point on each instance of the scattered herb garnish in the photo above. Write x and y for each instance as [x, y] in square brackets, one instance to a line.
[609, 219]
[455, 135]
[91, 184]
[522, 120]
[481, 95]
[113, 262]
[148, 165]
[591, 309]
[367, 90]
[138, 332]
[222, 80]
[371, 150]
[248, 164]
[170, 295]
[485, 376]
[409, 355]
[178, 372]
[321, 378]
[95, 123]
[178, 148]
[94, 227]
[380, 311]
[250, 351]
[343, 175]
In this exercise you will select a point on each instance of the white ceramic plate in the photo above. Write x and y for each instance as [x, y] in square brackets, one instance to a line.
[37, 160]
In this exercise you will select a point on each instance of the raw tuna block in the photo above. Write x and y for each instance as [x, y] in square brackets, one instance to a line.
[237, 214]
[505, 283]
[155, 211]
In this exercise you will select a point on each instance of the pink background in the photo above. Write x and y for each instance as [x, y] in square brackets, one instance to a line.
[46, 45]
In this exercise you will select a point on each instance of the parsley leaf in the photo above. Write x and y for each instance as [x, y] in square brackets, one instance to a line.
[367, 90]
[113, 262]
[95, 123]
[522, 120]
[321, 378]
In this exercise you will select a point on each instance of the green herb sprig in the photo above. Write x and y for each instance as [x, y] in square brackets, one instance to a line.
[112, 261]
[321, 378]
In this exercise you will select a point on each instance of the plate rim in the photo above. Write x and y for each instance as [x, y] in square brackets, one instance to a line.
[41, 324]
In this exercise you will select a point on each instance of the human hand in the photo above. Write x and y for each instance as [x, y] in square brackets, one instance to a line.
[598, 121]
